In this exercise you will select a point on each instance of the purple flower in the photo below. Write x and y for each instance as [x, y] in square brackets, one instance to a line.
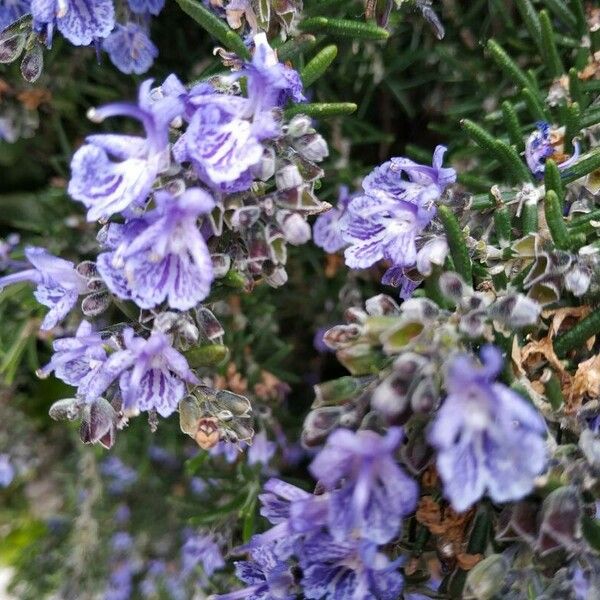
[112, 172]
[7, 471]
[369, 491]
[349, 569]
[77, 359]
[261, 450]
[267, 577]
[121, 542]
[293, 512]
[120, 475]
[80, 21]
[162, 256]
[144, 7]
[229, 450]
[328, 230]
[539, 148]
[221, 144]
[11, 10]
[406, 180]
[202, 550]
[487, 437]
[151, 374]
[270, 83]
[58, 283]
[398, 205]
[130, 49]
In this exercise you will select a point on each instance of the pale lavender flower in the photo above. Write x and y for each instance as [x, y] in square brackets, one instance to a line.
[144, 7]
[487, 437]
[229, 450]
[162, 256]
[270, 83]
[539, 148]
[77, 359]
[130, 49]
[7, 471]
[398, 204]
[201, 549]
[293, 512]
[328, 230]
[406, 180]
[11, 10]
[261, 450]
[112, 173]
[151, 374]
[348, 569]
[369, 491]
[267, 578]
[80, 21]
[121, 477]
[120, 584]
[58, 283]
[220, 143]
[121, 542]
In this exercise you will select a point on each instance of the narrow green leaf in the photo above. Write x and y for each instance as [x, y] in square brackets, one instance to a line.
[562, 12]
[344, 28]
[507, 64]
[534, 105]
[584, 166]
[529, 218]
[317, 67]
[554, 392]
[578, 335]
[579, 11]
[512, 162]
[552, 180]
[502, 223]
[575, 87]
[457, 244]
[556, 223]
[295, 46]
[531, 20]
[513, 127]
[215, 26]
[572, 126]
[480, 136]
[549, 50]
[322, 110]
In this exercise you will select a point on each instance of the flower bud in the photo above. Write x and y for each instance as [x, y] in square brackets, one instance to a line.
[288, 178]
[516, 310]
[68, 409]
[99, 423]
[277, 277]
[221, 264]
[312, 147]
[486, 578]
[265, 168]
[295, 229]
[561, 521]
[299, 125]
[382, 305]
[577, 280]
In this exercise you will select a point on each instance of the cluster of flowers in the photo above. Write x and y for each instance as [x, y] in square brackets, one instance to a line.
[215, 189]
[27, 24]
[392, 219]
[487, 438]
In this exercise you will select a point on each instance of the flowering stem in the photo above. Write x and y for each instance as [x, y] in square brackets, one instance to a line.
[578, 335]
[457, 244]
[318, 65]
